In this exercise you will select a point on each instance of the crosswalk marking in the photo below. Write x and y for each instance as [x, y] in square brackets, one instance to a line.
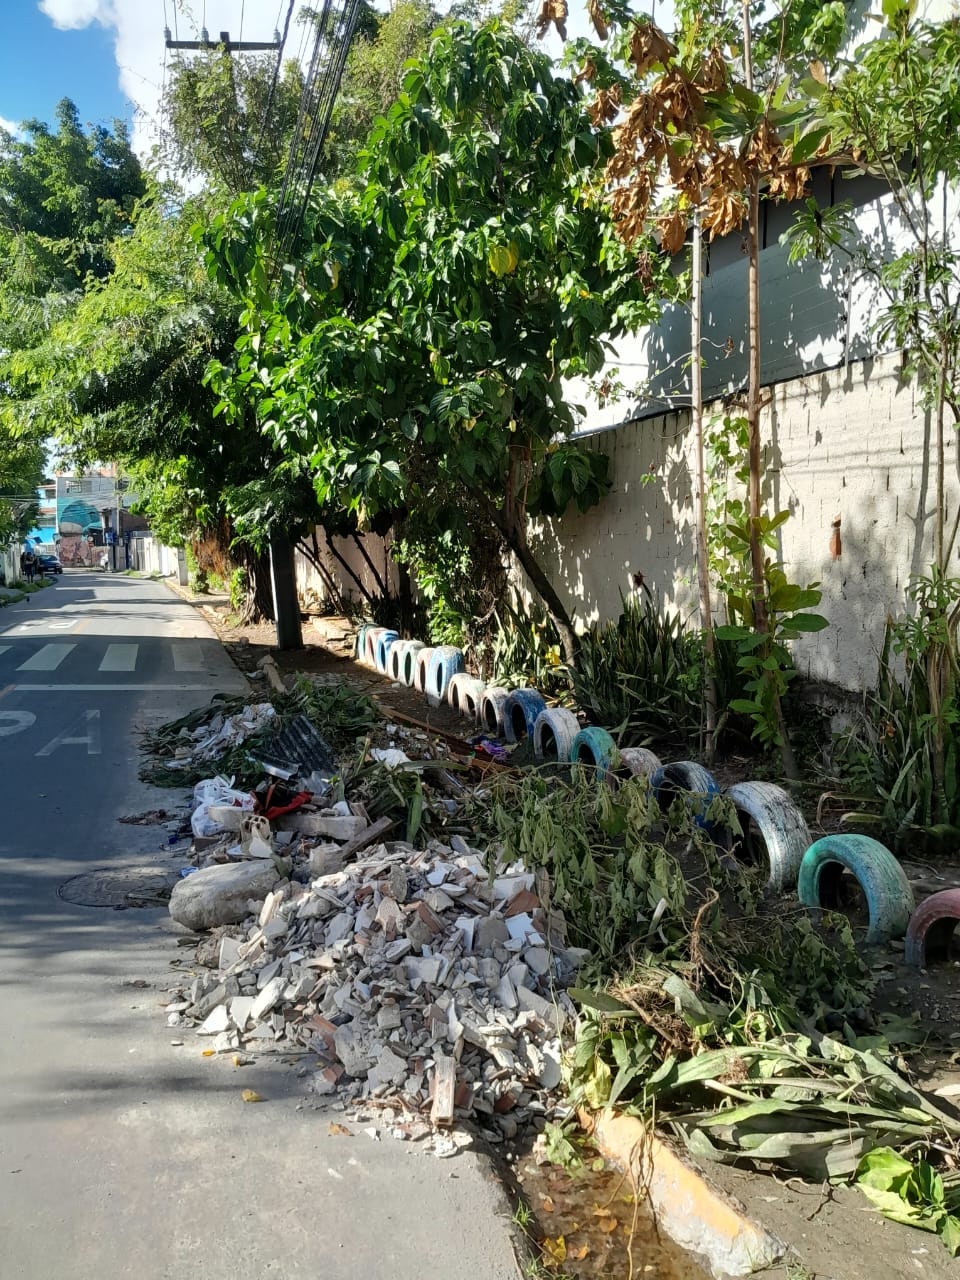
[48, 658]
[187, 657]
[120, 657]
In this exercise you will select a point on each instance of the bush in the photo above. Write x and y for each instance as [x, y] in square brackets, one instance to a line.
[641, 676]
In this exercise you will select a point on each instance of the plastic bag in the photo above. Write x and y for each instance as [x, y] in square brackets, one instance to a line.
[215, 791]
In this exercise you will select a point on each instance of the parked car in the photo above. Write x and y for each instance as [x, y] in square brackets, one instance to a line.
[49, 564]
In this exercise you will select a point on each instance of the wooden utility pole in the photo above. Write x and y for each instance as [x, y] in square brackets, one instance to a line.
[224, 42]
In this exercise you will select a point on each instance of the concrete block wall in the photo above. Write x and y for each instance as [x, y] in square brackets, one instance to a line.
[853, 441]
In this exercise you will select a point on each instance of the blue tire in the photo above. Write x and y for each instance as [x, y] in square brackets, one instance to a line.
[881, 877]
[447, 661]
[594, 746]
[520, 712]
[384, 642]
[691, 779]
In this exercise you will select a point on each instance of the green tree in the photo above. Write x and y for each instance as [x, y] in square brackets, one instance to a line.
[373, 75]
[420, 341]
[230, 118]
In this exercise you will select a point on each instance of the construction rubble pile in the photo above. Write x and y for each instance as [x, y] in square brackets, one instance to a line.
[428, 991]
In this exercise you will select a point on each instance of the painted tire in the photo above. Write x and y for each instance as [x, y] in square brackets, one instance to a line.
[401, 664]
[879, 874]
[385, 642]
[370, 645]
[639, 762]
[360, 644]
[934, 920]
[781, 828]
[460, 686]
[554, 733]
[491, 710]
[520, 713]
[699, 784]
[422, 668]
[446, 662]
[473, 699]
[595, 747]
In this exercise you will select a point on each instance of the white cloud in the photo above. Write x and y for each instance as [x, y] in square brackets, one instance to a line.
[137, 27]
[10, 126]
[71, 15]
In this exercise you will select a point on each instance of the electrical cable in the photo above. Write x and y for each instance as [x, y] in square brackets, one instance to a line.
[273, 82]
[334, 35]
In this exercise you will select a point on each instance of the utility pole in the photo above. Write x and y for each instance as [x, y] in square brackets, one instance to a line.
[225, 43]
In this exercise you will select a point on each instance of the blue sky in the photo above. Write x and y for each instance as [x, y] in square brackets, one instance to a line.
[39, 65]
[108, 55]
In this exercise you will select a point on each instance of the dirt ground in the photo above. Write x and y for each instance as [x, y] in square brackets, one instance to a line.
[830, 1233]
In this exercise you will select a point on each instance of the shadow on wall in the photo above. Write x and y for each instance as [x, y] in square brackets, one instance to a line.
[852, 443]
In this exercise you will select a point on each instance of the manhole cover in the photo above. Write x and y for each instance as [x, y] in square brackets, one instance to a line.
[120, 887]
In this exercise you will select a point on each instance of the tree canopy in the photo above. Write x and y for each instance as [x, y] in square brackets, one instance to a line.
[419, 343]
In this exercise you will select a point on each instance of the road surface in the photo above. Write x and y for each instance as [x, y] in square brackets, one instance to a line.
[121, 1153]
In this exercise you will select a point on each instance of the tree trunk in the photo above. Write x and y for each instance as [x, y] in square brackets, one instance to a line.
[761, 620]
[703, 573]
[259, 603]
[514, 533]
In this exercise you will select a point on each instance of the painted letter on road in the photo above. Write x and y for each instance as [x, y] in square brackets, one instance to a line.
[75, 737]
[15, 722]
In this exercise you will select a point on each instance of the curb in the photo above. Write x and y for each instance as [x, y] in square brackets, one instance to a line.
[692, 1213]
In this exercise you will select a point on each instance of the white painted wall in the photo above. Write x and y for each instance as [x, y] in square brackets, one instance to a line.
[852, 442]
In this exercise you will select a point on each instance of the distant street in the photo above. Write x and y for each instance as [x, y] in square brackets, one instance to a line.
[122, 1154]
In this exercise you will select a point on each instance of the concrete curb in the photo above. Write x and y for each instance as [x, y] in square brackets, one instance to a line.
[692, 1213]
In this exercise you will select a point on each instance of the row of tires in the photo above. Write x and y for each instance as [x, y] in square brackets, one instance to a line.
[768, 816]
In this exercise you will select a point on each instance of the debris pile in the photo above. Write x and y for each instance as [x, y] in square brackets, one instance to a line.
[427, 990]
[219, 734]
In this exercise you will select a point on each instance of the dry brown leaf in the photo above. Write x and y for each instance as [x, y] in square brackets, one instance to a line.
[339, 1130]
[250, 1095]
[547, 1204]
[649, 47]
[818, 71]
[598, 18]
[673, 231]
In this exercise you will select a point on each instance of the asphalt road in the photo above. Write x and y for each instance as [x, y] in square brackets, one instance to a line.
[122, 1154]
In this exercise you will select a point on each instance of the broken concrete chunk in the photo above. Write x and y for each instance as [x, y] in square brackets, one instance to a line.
[548, 1012]
[351, 1052]
[215, 1022]
[266, 999]
[488, 932]
[219, 894]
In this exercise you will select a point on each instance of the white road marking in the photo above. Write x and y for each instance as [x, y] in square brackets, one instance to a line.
[58, 624]
[187, 657]
[18, 721]
[4, 648]
[120, 657]
[109, 688]
[90, 720]
[48, 658]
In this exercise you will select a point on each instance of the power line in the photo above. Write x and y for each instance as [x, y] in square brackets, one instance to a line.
[273, 82]
[334, 34]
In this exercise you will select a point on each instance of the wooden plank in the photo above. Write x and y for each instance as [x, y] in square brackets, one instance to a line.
[444, 1091]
